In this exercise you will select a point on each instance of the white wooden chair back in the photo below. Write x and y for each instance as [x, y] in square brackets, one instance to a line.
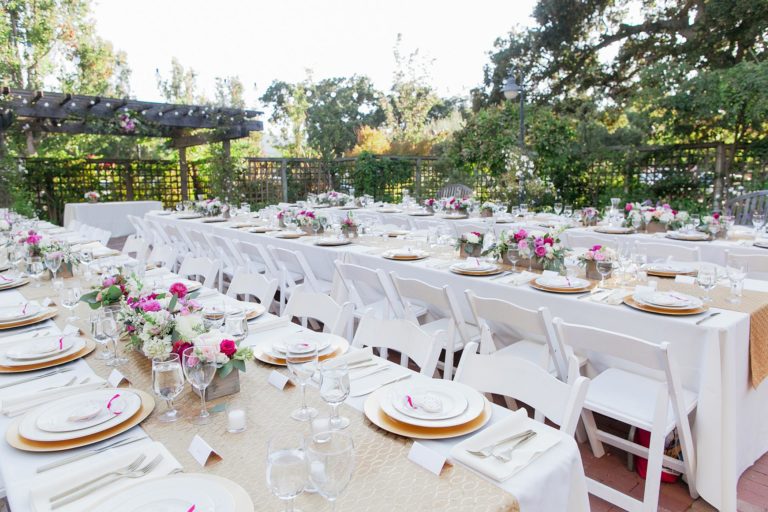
[365, 286]
[307, 304]
[659, 252]
[203, 270]
[259, 259]
[135, 247]
[402, 335]
[467, 227]
[588, 240]
[165, 255]
[294, 261]
[254, 285]
[756, 265]
[518, 378]
[158, 234]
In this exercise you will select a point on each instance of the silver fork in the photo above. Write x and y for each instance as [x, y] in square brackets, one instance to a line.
[69, 383]
[138, 473]
[506, 455]
[487, 451]
[127, 469]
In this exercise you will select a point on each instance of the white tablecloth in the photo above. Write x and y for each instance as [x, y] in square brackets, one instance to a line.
[109, 216]
[731, 426]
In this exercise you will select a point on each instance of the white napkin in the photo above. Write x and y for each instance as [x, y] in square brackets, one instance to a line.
[65, 477]
[353, 357]
[523, 277]
[518, 421]
[616, 297]
[89, 245]
[13, 405]
[267, 324]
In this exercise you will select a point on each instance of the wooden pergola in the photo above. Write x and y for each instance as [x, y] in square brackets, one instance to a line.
[184, 125]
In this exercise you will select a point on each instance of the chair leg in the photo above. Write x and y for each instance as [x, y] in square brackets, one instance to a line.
[653, 473]
[448, 368]
[591, 428]
[631, 456]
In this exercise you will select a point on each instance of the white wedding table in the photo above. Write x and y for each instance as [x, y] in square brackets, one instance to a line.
[731, 426]
[111, 216]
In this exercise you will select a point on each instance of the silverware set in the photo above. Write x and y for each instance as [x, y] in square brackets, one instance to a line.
[702, 320]
[506, 454]
[371, 389]
[89, 453]
[35, 377]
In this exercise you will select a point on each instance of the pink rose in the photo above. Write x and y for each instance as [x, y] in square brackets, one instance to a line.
[628, 207]
[599, 256]
[596, 248]
[541, 251]
[180, 346]
[151, 306]
[108, 282]
[228, 348]
[193, 361]
[549, 240]
[179, 290]
[716, 216]
[522, 245]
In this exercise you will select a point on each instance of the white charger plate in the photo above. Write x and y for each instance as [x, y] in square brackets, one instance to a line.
[401, 253]
[171, 494]
[613, 230]
[13, 313]
[475, 405]
[57, 419]
[31, 350]
[562, 282]
[668, 300]
[28, 426]
[77, 345]
[453, 402]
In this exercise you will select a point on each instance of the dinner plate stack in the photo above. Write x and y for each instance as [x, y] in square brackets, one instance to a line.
[262, 229]
[288, 235]
[696, 236]
[670, 269]
[24, 314]
[614, 230]
[389, 210]
[79, 420]
[473, 267]
[37, 353]
[405, 254]
[332, 241]
[666, 303]
[453, 216]
[6, 283]
[420, 213]
[561, 284]
[397, 232]
[273, 351]
[432, 409]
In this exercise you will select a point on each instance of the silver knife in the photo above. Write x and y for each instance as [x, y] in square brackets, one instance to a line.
[35, 377]
[89, 453]
[372, 371]
[702, 320]
[24, 331]
[371, 389]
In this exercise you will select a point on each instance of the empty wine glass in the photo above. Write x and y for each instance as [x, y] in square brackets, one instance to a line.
[513, 254]
[110, 328]
[334, 389]
[287, 468]
[706, 278]
[35, 269]
[200, 373]
[70, 297]
[558, 208]
[331, 460]
[758, 219]
[301, 359]
[97, 333]
[736, 274]
[167, 383]
[604, 268]
[53, 262]
[568, 211]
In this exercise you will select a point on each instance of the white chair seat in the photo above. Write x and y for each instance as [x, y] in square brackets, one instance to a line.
[444, 324]
[532, 351]
[630, 397]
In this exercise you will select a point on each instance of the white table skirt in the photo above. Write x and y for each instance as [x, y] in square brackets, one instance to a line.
[109, 216]
[731, 426]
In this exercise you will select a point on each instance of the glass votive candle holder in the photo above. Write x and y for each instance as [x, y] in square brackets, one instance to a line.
[236, 417]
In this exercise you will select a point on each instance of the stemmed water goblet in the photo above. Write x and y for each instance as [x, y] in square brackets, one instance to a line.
[736, 274]
[558, 208]
[706, 278]
[70, 297]
[97, 333]
[35, 269]
[334, 389]
[568, 210]
[331, 461]
[53, 262]
[301, 359]
[167, 383]
[111, 329]
[696, 221]
[200, 373]
[758, 219]
[604, 268]
[287, 468]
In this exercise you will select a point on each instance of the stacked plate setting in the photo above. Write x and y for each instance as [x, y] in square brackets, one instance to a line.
[475, 268]
[670, 269]
[7, 283]
[614, 230]
[405, 254]
[433, 409]
[328, 346]
[670, 303]
[561, 284]
[24, 314]
[332, 241]
[690, 237]
[33, 352]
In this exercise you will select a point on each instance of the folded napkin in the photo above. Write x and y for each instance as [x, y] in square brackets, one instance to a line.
[493, 468]
[523, 277]
[267, 324]
[353, 357]
[156, 272]
[16, 404]
[88, 245]
[68, 476]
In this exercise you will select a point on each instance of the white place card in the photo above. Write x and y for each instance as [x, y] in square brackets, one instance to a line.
[202, 452]
[427, 458]
[278, 380]
[685, 279]
[116, 378]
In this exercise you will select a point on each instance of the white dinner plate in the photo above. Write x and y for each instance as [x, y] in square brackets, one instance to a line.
[332, 242]
[77, 345]
[562, 282]
[389, 210]
[31, 350]
[18, 312]
[613, 230]
[411, 401]
[472, 266]
[673, 300]
[397, 232]
[281, 347]
[28, 426]
[86, 413]
[403, 253]
[475, 404]
[671, 268]
[176, 493]
[676, 235]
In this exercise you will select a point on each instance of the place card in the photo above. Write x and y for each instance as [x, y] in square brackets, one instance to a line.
[427, 458]
[685, 279]
[202, 452]
[116, 378]
[278, 380]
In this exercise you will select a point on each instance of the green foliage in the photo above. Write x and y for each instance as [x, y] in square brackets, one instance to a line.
[382, 177]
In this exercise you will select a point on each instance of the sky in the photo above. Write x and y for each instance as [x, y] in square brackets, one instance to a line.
[262, 41]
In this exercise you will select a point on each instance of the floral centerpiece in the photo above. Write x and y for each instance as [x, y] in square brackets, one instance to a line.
[349, 226]
[539, 251]
[633, 216]
[209, 207]
[333, 198]
[591, 257]
[661, 218]
[429, 204]
[456, 205]
[109, 292]
[711, 224]
[590, 216]
[32, 240]
[62, 250]
[92, 196]
[470, 244]
[487, 209]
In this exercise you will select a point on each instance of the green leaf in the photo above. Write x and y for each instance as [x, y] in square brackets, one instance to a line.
[226, 369]
[237, 363]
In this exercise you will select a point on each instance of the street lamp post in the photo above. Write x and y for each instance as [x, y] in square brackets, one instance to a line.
[513, 90]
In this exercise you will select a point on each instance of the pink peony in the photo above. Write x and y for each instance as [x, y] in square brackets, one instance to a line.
[108, 282]
[522, 245]
[541, 251]
[520, 235]
[596, 248]
[179, 290]
[628, 207]
[180, 346]
[716, 216]
[151, 306]
[228, 348]
[549, 240]
[599, 256]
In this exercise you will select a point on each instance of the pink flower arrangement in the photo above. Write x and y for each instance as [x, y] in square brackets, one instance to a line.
[597, 253]
[179, 290]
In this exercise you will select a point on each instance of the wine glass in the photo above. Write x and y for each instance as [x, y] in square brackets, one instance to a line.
[604, 268]
[97, 333]
[200, 373]
[287, 468]
[53, 262]
[696, 221]
[110, 328]
[568, 211]
[513, 254]
[331, 460]
[316, 226]
[70, 297]
[17, 257]
[236, 325]
[35, 269]
[334, 389]
[167, 383]
[706, 278]
[559, 208]
[301, 359]
[524, 210]
[728, 221]
[758, 219]
[736, 274]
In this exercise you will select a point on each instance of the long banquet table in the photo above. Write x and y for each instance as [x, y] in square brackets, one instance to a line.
[731, 426]
[111, 216]
[384, 479]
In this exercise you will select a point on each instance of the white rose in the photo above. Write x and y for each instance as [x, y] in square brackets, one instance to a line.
[157, 347]
[189, 326]
[472, 238]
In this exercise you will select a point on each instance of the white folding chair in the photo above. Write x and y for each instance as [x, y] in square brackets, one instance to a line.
[135, 247]
[660, 252]
[520, 379]
[258, 259]
[398, 221]
[756, 265]
[442, 314]
[587, 240]
[74, 225]
[403, 336]
[653, 400]
[427, 223]
[307, 304]
[159, 236]
[138, 227]
[254, 285]
[294, 269]
[530, 330]
[466, 227]
[203, 270]
[231, 261]
[163, 255]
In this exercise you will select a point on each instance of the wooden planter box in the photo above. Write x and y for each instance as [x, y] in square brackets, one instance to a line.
[309, 231]
[486, 212]
[350, 233]
[477, 249]
[219, 387]
[655, 227]
[592, 273]
[65, 271]
[526, 263]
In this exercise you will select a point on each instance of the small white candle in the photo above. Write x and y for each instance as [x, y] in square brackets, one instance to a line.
[236, 420]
